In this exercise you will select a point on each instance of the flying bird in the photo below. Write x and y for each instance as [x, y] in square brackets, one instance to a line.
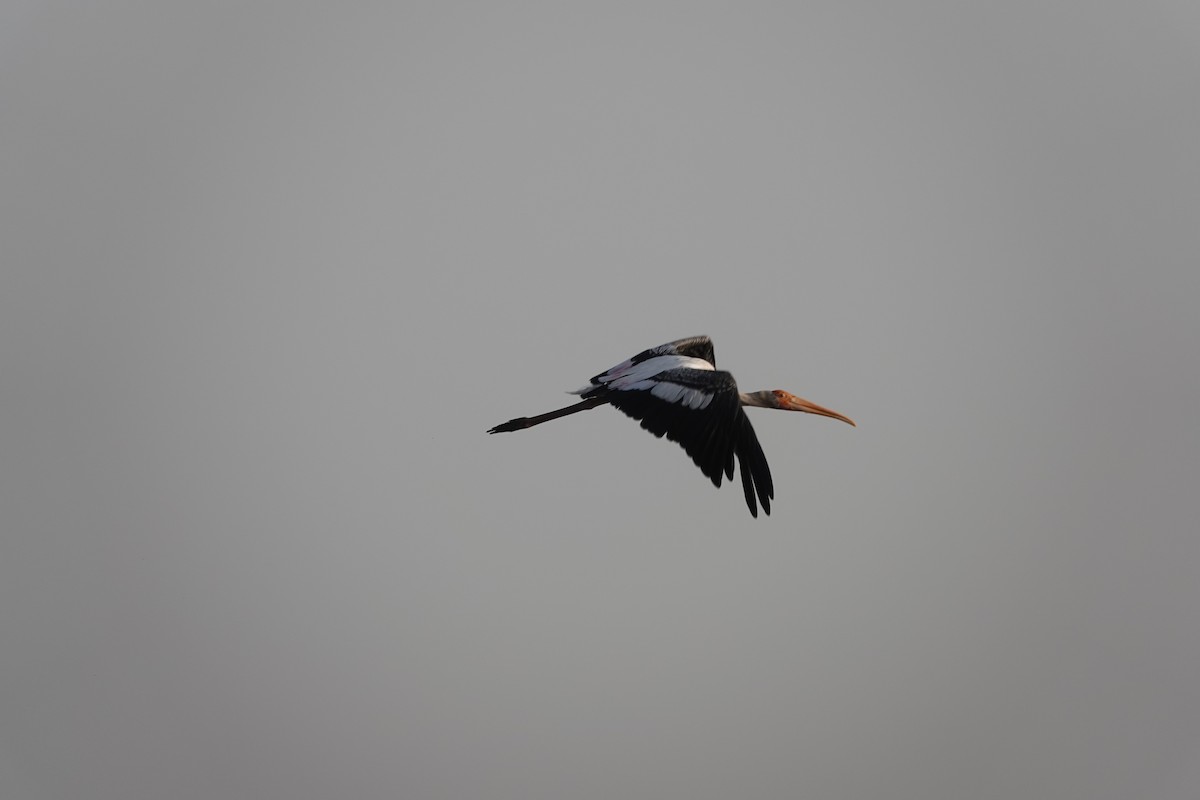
[676, 391]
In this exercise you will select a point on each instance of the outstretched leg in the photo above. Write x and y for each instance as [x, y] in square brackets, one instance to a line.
[528, 422]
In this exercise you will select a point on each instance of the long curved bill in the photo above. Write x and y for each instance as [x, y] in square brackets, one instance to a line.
[794, 403]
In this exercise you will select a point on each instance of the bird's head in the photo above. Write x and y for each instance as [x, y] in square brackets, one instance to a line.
[778, 398]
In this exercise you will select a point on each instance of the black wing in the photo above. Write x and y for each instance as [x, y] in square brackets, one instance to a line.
[756, 473]
[693, 347]
[712, 435]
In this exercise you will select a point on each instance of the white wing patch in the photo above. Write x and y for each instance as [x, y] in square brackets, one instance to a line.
[686, 396]
[624, 375]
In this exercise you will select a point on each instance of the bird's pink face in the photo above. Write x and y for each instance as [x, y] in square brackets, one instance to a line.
[790, 402]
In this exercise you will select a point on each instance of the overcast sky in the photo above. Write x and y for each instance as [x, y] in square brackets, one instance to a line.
[269, 271]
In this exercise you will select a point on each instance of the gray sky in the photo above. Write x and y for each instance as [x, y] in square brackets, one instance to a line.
[271, 270]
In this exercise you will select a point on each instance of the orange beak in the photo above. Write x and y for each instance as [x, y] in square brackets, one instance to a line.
[791, 402]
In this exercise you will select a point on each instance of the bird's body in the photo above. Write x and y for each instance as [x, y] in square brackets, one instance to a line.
[676, 391]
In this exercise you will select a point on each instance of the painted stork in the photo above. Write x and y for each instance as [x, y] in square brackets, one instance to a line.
[676, 391]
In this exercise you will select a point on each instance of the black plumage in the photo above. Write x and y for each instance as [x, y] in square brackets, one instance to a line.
[675, 391]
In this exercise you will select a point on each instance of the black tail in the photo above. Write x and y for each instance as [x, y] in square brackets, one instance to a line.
[528, 422]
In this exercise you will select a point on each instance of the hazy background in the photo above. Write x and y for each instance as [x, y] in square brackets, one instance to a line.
[269, 271]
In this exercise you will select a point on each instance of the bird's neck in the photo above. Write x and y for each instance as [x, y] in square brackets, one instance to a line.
[763, 399]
